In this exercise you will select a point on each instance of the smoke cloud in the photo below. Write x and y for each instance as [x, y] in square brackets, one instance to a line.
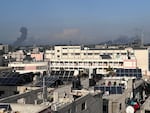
[22, 37]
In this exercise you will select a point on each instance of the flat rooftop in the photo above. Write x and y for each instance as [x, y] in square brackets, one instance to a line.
[27, 108]
[3, 68]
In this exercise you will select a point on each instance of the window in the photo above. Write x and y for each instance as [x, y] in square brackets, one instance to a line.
[19, 68]
[58, 50]
[1, 93]
[16, 92]
[41, 67]
[83, 106]
[123, 53]
[77, 53]
[96, 53]
[65, 53]
[89, 53]
[105, 106]
[109, 53]
[120, 106]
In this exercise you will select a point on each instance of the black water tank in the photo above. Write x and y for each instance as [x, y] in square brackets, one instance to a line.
[76, 84]
[92, 82]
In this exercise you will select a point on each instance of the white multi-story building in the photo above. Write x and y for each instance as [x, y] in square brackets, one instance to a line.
[18, 55]
[84, 58]
[26, 67]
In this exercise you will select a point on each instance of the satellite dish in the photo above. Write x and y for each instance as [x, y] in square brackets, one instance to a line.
[129, 109]
[76, 72]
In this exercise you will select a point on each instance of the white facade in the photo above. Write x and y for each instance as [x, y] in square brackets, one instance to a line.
[18, 55]
[143, 60]
[25, 67]
[76, 57]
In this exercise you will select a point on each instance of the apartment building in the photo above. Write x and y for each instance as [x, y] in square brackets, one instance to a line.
[25, 67]
[37, 56]
[17, 55]
[84, 58]
[4, 48]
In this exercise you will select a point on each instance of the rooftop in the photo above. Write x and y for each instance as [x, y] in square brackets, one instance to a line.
[25, 108]
[5, 68]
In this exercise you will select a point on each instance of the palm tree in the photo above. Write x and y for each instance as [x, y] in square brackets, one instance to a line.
[110, 71]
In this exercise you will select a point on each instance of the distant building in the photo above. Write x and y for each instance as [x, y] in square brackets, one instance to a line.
[4, 48]
[37, 56]
[18, 55]
[145, 107]
[25, 67]
[83, 58]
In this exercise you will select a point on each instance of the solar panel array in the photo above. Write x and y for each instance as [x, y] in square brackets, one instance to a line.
[49, 82]
[63, 75]
[129, 72]
[56, 78]
[15, 79]
[9, 81]
[110, 89]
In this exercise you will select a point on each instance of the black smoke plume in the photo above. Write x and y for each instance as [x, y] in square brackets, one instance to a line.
[22, 37]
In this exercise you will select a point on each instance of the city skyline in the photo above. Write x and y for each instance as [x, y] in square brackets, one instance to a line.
[59, 22]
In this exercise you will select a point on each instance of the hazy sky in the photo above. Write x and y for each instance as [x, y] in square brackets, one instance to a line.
[75, 21]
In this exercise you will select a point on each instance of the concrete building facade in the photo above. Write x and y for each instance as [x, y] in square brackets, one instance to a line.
[18, 55]
[85, 104]
[25, 67]
[82, 58]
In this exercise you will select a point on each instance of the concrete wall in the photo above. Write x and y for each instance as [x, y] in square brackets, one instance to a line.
[28, 96]
[146, 106]
[93, 104]
[116, 102]
[142, 60]
[37, 56]
[30, 108]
